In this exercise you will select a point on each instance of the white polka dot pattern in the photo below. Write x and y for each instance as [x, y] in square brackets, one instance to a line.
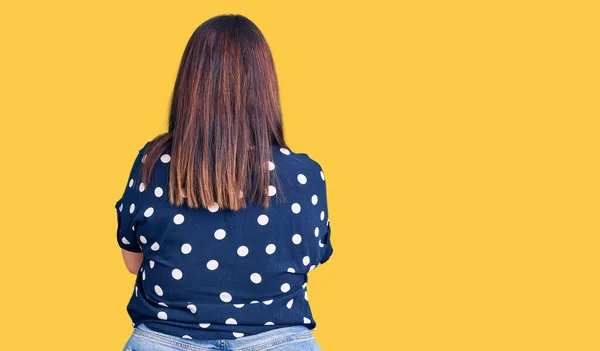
[212, 265]
[177, 274]
[225, 297]
[242, 251]
[214, 207]
[263, 219]
[256, 278]
[301, 178]
[270, 248]
[297, 239]
[178, 219]
[220, 234]
[186, 248]
[256, 256]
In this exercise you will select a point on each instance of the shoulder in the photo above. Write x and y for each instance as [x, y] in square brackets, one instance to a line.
[297, 162]
[141, 150]
[144, 148]
[136, 167]
[141, 154]
[287, 154]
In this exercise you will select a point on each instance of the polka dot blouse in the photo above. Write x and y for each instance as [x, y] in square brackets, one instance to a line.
[212, 273]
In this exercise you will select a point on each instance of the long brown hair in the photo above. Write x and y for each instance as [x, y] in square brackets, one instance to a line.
[225, 117]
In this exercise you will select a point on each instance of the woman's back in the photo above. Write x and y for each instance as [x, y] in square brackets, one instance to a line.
[219, 274]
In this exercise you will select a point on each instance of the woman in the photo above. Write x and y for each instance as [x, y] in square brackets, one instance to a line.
[220, 219]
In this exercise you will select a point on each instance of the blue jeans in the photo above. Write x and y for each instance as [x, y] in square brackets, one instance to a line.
[294, 338]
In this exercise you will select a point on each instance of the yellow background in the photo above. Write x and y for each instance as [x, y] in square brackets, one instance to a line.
[459, 140]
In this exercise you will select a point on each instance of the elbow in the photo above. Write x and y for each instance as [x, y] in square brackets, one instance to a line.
[133, 267]
[133, 261]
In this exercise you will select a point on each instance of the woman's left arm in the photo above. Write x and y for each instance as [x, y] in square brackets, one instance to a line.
[133, 260]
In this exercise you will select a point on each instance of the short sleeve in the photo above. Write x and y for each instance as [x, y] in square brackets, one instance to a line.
[327, 242]
[127, 207]
[327, 249]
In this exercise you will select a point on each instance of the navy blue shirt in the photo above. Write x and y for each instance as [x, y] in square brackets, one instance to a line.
[211, 273]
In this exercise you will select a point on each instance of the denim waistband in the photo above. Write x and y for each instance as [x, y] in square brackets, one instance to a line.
[257, 342]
